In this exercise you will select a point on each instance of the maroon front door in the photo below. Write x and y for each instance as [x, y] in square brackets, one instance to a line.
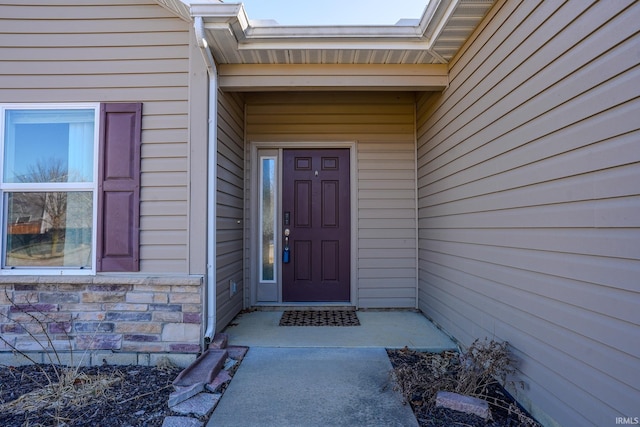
[316, 213]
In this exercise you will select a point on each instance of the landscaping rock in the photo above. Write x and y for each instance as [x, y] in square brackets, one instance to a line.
[181, 422]
[222, 378]
[183, 393]
[199, 405]
[237, 352]
[466, 404]
[229, 363]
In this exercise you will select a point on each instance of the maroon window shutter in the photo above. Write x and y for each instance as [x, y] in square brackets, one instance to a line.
[118, 238]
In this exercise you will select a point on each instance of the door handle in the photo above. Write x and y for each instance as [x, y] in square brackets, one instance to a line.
[286, 253]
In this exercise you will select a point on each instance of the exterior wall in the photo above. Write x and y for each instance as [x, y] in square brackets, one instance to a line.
[382, 124]
[97, 51]
[529, 215]
[230, 207]
[125, 51]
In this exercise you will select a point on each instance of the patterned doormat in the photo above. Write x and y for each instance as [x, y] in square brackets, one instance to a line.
[319, 318]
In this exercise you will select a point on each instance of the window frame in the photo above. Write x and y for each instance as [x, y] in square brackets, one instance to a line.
[92, 186]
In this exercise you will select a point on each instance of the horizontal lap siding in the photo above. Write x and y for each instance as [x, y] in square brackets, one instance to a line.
[529, 207]
[383, 126]
[386, 223]
[230, 205]
[114, 51]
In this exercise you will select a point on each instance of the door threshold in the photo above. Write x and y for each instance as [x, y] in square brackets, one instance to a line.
[309, 306]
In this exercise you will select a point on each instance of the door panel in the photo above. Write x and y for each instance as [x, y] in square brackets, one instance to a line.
[316, 198]
[302, 204]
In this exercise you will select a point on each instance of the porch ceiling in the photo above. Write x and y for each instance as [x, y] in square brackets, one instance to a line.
[419, 44]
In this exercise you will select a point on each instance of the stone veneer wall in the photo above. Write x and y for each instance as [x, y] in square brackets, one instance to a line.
[112, 319]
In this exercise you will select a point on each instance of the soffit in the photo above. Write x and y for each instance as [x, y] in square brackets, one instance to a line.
[433, 39]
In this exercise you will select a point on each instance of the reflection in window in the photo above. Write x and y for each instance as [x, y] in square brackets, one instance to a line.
[48, 146]
[48, 186]
[49, 229]
[267, 223]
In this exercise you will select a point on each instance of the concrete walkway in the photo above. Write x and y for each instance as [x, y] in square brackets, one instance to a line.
[312, 387]
[321, 376]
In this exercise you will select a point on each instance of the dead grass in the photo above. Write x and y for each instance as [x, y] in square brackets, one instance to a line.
[76, 389]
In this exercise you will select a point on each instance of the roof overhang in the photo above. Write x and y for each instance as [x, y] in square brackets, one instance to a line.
[261, 55]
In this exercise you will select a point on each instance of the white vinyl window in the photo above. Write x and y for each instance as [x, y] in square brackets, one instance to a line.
[48, 188]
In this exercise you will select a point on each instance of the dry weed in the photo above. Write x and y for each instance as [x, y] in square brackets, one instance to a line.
[67, 386]
[424, 374]
[165, 364]
[481, 365]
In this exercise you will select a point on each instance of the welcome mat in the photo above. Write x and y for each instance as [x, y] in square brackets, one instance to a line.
[319, 318]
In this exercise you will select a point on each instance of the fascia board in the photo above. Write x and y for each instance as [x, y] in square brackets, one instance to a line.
[440, 70]
[253, 77]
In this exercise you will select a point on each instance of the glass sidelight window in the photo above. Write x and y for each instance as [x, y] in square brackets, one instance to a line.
[267, 210]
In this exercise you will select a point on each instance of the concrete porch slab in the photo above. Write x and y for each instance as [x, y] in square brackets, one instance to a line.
[382, 329]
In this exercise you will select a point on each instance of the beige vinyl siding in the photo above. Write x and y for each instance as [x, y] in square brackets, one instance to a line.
[382, 125]
[387, 222]
[529, 207]
[114, 51]
[230, 206]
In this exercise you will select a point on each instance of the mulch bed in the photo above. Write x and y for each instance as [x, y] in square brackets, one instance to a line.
[138, 396]
[505, 411]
